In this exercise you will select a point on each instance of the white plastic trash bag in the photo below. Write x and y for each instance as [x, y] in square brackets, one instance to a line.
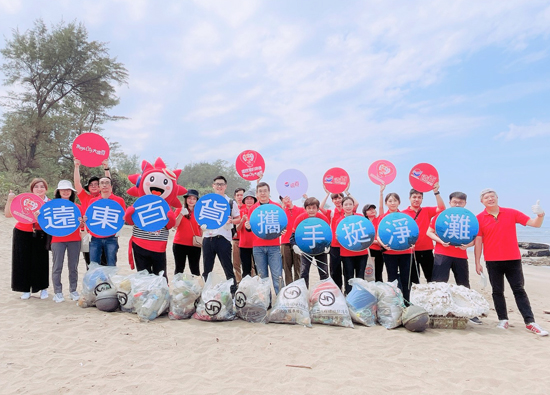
[216, 301]
[328, 305]
[253, 298]
[95, 280]
[186, 289]
[362, 303]
[124, 285]
[151, 296]
[389, 302]
[291, 305]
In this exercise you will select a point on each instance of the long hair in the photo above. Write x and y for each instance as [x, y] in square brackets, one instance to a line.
[72, 198]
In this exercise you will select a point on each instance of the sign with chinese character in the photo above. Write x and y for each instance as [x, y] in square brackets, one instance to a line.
[91, 149]
[457, 226]
[292, 183]
[105, 217]
[423, 176]
[248, 164]
[382, 172]
[212, 210]
[355, 233]
[59, 217]
[398, 231]
[24, 205]
[336, 180]
[267, 221]
[150, 213]
[313, 235]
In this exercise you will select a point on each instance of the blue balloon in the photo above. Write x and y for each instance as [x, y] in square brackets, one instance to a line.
[313, 235]
[398, 231]
[151, 213]
[59, 217]
[457, 226]
[105, 217]
[355, 233]
[212, 210]
[267, 221]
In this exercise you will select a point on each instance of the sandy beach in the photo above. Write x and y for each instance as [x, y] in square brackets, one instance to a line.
[53, 348]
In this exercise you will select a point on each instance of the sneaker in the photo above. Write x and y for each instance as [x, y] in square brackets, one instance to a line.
[58, 298]
[75, 295]
[476, 321]
[536, 329]
[26, 295]
[502, 324]
[44, 294]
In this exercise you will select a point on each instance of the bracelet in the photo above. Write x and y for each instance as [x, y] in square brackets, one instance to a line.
[436, 193]
[106, 169]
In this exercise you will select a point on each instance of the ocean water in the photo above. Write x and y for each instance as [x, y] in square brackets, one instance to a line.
[534, 235]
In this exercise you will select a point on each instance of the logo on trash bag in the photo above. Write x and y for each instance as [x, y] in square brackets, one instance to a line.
[122, 298]
[292, 292]
[326, 298]
[240, 299]
[101, 287]
[212, 307]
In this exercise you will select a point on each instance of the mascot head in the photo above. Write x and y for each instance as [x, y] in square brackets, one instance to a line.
[157, 180]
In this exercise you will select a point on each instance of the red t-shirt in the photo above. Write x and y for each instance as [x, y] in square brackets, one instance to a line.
[291, 214]
[500, 242]
[117, 199]
[26, 227]
[344, 251]
[245, 236]
[451, 251]
[187, 228]
[375, 223]
[257, 241]
[75, 236]
[424, 243]
[304, 216]
[334, 218]
[393, 252]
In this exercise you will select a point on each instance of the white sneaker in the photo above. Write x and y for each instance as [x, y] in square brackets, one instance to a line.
[502, 324]
[26, 295]
[536, 329]
[74, 295]
[58, 298]
[44, 294]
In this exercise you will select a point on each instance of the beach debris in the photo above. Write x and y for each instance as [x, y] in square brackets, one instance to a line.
[253, 298]
[415, 318]
[95, 280]
[389, 302]
[362, 304]
[124, 285]
[328, 305]
[299, 366]
[107, 300]
[291, 305]
[216, 301]
[150, 295]
[186, 289]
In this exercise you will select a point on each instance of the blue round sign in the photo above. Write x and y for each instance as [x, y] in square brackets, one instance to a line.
[59, 217]
[313, 235]
[457, 226]
[398, 231]
[105, 217]
[150, 213]
[355, 233]
[212, 210]
[267, 221]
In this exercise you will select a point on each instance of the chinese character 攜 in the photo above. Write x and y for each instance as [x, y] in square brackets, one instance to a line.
[269, 222]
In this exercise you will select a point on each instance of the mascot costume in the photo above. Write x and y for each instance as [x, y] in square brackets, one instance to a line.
[149, 248]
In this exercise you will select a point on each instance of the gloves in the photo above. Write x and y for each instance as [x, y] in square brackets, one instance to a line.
[537, 209]
[184, 211]
[296, 250]
[203, 227]
[327, 250]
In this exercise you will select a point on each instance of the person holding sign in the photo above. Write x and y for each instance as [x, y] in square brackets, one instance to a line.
[30, 259]
[291, 260]
[498, 242]
[423, 250]
[369, 212]
[186, 228]
[246, 238]
[238, 196]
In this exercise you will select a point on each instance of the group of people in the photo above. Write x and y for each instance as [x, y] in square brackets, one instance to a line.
[241, 252]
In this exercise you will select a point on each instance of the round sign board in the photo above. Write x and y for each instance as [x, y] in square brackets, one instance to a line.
[105, 217]
[59, 217]
[212, 210]
[457, 226]
[355, 233]
[382, 172]
[267, 221]
[292, 183]
[336, 180]
[423, 176]
[248, 164]
[313, 235]
[24, 205]
[91, 149]
[398, 231]
[150, 213]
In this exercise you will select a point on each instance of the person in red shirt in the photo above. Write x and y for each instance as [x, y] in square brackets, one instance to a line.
[70, 244]
[30, 264]
[246, 244]
[291, 260]
[369, 212]
[423, 249]
[187, 227]
[497, 239]
[238, 196]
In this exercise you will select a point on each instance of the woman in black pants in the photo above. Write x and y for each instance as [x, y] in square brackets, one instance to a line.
[186, 228]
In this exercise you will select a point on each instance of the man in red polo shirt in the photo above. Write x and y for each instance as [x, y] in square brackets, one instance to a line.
[424, 246]
[498, 241]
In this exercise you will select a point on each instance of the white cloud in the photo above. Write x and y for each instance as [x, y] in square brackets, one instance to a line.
[535, 129]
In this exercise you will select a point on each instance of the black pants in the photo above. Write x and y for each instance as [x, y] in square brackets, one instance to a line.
[444, 264]
[398, 268]
[513, 271]
[247, 260]
[378, 264]
[336, 266]
[153, 262]
[183, 252]
[220, 246]
[424, 259]
[30, 264]
[322, 267]
[354, 267]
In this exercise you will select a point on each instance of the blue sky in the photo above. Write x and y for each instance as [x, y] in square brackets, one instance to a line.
[463, 85]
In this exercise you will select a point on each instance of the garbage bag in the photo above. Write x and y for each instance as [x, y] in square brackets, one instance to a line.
[362, 303]
[95, 280]
[186, 289]
[124, 285]
[151, 296]
[328, 305]
[291, 305]
[253, 298]
[390, 303]
[216, 301]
